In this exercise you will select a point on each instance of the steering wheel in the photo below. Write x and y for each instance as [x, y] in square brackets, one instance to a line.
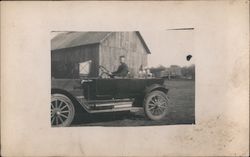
[104, 73]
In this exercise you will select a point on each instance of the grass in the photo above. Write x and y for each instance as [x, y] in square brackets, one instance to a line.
[182, 96]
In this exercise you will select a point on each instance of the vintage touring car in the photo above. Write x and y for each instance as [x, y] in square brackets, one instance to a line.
[103, 94]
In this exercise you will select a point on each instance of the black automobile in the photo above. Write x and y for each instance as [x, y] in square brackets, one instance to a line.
[106, 94]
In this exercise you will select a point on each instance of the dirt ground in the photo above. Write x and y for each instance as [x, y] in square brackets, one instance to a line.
[182, 110]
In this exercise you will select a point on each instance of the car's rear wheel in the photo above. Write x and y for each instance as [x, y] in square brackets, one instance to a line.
[156, 105]
[62, 110]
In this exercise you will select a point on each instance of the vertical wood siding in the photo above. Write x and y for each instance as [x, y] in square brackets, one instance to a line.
[123, 43]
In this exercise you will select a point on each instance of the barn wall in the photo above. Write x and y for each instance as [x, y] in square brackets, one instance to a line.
[123, 43]
[64, 62]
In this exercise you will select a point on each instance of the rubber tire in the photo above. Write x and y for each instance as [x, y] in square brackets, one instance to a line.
[71, 108]
[147, 99]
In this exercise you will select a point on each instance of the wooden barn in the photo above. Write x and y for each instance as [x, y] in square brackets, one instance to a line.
[70, 49]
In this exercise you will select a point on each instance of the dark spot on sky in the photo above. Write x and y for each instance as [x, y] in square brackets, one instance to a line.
[189, 57]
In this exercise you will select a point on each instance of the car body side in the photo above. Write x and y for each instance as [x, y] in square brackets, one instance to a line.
[107, 89]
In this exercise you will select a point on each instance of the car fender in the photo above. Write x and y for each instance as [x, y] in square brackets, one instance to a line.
[155, 87]
[76, 103]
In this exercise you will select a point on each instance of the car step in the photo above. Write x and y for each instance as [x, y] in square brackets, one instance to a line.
[111, 105]
[132, 109]
[109, 101]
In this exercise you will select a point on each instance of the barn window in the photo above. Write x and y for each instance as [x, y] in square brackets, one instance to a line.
[84, 68]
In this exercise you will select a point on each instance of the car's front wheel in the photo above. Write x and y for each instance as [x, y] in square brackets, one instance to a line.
[156, 105]
[62, 110]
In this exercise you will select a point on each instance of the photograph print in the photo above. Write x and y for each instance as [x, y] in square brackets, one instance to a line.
[119, 79]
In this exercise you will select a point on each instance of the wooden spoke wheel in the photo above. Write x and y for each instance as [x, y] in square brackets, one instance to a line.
[62, 110]
[156, 105]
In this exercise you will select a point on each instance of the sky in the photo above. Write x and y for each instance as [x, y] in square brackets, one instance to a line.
[168, 47]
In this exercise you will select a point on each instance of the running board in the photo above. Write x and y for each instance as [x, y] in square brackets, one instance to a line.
[113, 105]
[109, 101]
[132, 109]
[99, 106]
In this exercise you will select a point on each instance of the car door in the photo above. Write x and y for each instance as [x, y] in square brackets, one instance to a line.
[129, 88]
[117, 88]
[122, 88]
[105, 88]
[137, 86]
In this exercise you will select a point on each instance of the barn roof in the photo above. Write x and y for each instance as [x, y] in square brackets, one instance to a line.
[73, 39]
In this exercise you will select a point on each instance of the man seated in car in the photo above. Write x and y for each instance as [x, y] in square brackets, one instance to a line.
[122, 70]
